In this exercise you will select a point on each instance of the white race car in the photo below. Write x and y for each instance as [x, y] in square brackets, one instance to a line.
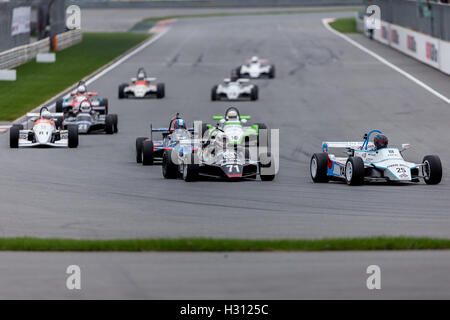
[372, 162]
[256, 68]
[235, 89]
[46, 131]
[142, 87]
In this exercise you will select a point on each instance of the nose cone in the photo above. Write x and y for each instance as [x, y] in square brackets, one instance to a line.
[43, 133]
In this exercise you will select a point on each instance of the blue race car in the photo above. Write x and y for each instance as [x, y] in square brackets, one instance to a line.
[372, 162]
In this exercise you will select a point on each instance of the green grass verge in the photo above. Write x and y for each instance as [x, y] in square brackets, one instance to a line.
[222, 245]
[147, 23]
[345, 25]
[38, 82]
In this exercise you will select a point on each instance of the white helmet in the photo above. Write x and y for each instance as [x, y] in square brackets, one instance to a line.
[85, 106]
[232, 115]
[81, 89]
[255, 59]
[46, 115]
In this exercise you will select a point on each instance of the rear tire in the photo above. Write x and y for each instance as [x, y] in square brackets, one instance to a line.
[432, 169]
[214, 93]
[139, 142]
[109, 124]
[318, 167]
[160, 90]
[354, 171]
[122, 90]
[254, 93]
[59, 106]
[73, 136]
[272, 72]
[147, 153]
[14, 133]
[169, 169]
[265, 163]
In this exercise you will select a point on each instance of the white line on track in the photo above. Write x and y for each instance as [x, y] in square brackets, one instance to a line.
[384, 61]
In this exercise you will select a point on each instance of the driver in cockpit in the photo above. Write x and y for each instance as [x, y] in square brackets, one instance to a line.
[141, 76]
[380, 141]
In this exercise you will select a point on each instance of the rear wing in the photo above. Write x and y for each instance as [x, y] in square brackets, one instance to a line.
[36, 115]
[326, 145]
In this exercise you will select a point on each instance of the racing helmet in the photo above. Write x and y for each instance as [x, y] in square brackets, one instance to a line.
[85, 106]
[380, 141]
[254, 59]
[232, 114]
[234, 76]
[179, 124]
[81, 89]
[45, 114]
[141, 74]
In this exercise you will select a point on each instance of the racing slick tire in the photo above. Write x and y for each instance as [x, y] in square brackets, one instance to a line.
[160, 91]
[147, 153]
[139, 142]
[214, 93]
[254, 93]
[116, 120]
[122, 90]
[14, 132]
[272, 72]
[169, 169]
[265, 163]
[238, 71]
[104, 103]
[432, 169]
[59, 106]
[318, 167]
[59, 123]
[73, 136]
[109, 124]
[190, 170]
[18, 125]
[354, 171]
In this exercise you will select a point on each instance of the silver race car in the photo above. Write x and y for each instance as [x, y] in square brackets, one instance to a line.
[256, 68]
[234, 89]
[372, 162]
[46, 132]
[87, 120]
[142, 87]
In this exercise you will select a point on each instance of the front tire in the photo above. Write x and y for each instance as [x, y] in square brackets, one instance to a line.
[318, 167]
[169, 169]
[115, 123]
[432, 169]
[59, 106]
[104, 103]
[264, 165]
[109, 124]
[354, 171]
[190, 171]
[147, 153]
[272, 72]
[14, 133]
[73, 136]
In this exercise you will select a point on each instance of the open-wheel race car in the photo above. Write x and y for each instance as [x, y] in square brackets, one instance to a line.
[142, 87]
[79, 95]
[256, 68]
[46, 131]
[87, 119]
[149, 151]
[232, 150]
[372, 162]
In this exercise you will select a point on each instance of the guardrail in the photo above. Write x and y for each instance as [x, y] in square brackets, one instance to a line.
[19, 55]
[67, 39]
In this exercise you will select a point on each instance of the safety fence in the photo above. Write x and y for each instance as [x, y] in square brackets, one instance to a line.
[428, 17]
[67, 39]
[19, 55]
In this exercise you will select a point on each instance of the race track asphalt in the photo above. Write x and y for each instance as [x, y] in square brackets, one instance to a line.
[325, 89]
